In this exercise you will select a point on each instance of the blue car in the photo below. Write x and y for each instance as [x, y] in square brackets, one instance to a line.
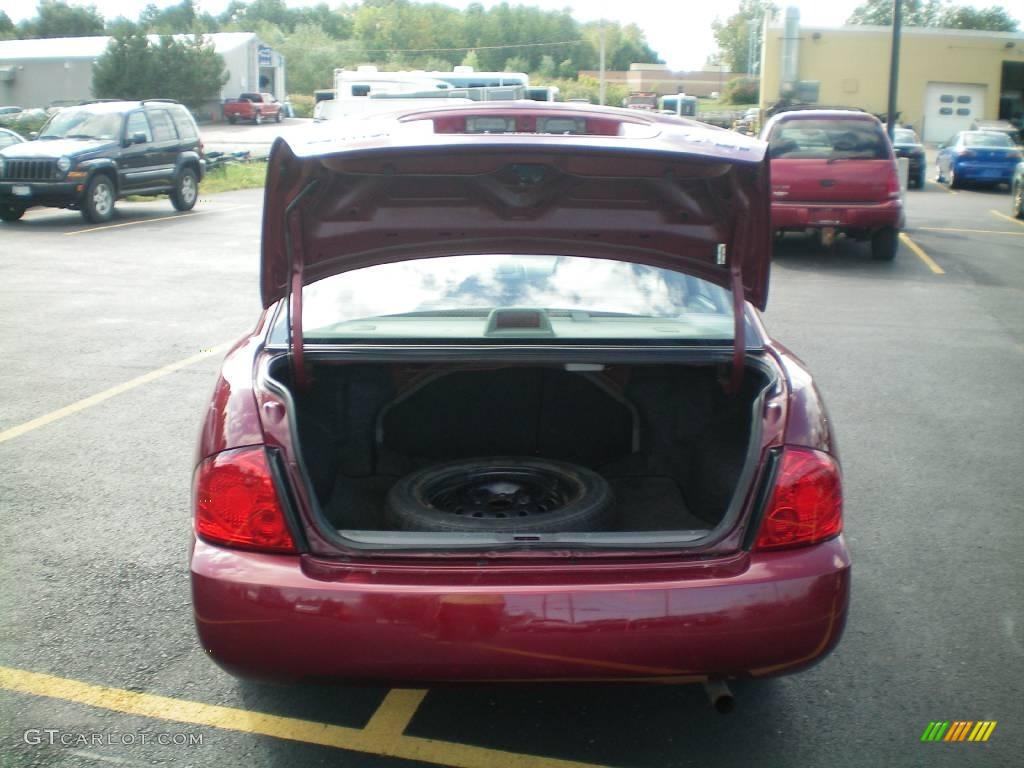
[985, 157]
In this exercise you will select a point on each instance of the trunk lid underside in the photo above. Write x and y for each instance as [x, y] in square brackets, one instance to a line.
[685, 199]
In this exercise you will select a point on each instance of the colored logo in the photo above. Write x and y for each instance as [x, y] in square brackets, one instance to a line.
[958, 730]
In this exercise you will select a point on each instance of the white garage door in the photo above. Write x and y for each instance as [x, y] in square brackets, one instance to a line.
[951, 107]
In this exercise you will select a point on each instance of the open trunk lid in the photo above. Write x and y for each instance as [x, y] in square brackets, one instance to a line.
[500, 178]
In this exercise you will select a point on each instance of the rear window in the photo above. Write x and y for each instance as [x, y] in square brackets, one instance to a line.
[163, 128]
[828, 139]
[509, 296]
[987, 140]
[183, 122]
[905, 137]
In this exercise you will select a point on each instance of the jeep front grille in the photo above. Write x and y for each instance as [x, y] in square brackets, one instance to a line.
[30, 170]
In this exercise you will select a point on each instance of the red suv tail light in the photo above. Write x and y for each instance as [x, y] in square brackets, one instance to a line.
[806, 505]
[893, 184]
[236, 503]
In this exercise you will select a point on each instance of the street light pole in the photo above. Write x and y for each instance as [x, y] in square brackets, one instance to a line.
[602, 88]
[894, 65]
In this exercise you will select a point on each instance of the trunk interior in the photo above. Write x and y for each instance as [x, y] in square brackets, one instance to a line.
[669, 441]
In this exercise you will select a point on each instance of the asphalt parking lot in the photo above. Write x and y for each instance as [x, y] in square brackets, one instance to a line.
[113, 336]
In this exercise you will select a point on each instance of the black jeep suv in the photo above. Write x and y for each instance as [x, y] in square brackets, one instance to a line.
[88, 156]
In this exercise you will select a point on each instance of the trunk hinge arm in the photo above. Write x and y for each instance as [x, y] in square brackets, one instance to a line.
[739, 348]
[293, 296]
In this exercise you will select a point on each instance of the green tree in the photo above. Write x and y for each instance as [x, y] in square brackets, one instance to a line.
[187, 70]
[741, 90]
[177, 19]
[935, 13]
[55, 18]
[311, 55]
[124, 71]
[548, 68]
[993, 19]
[516, 64]
[916, 13]
[7, 31]
[734, 34]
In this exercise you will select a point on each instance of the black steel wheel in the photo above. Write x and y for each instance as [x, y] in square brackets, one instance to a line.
[500, 495]
[11, 212]
[884, 244]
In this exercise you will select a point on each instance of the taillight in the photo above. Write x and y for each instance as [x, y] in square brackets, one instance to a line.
[236, 503]
[967, 153]
[1014, 154]
[893, 184]
[806, 505]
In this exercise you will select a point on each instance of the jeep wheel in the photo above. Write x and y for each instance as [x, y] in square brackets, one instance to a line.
[258, 118]
[277, 117]
[186, 190]
[98, 205]
[11, 212]
[232, 119]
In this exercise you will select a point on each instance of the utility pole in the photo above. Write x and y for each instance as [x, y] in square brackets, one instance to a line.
[602, 89]
[894, 65]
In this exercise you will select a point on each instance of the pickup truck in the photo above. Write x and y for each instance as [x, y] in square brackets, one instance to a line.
[253, 106]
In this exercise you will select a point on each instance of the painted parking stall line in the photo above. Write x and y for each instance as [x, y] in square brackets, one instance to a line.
[106, 394]
[1011, 219]
[378, 737]
[172, 217]
[919, 252]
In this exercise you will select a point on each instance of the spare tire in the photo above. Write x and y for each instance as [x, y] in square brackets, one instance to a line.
[500, 495]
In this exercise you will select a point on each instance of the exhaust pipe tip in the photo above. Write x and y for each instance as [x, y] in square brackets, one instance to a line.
[720, 696]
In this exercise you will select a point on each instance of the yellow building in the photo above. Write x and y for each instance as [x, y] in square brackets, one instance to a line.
[948, 78]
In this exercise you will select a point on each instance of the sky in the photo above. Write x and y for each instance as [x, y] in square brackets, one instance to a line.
[679, 30]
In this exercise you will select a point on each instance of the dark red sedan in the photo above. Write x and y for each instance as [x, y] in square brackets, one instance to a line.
[510, 413]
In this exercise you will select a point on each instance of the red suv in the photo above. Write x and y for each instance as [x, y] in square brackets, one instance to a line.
[833, 171]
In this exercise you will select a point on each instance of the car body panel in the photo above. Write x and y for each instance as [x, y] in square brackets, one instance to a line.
[646, 200]
[1017, 192]
[906, 144]
[9, 138]
[297, 617]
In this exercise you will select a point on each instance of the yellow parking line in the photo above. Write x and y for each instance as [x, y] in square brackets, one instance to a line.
[1012, 220]
[905, 239]
[396, 712]
[382, 741]
[976, 231]
[159, 218]
[106, 394]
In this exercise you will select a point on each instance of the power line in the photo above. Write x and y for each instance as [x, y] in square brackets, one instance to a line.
[470, 48]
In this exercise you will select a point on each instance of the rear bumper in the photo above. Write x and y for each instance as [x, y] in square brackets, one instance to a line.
[994, 172]
[295, 618]
[839, 215]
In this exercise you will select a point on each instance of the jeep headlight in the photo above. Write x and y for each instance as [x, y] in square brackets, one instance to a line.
[64, 164]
